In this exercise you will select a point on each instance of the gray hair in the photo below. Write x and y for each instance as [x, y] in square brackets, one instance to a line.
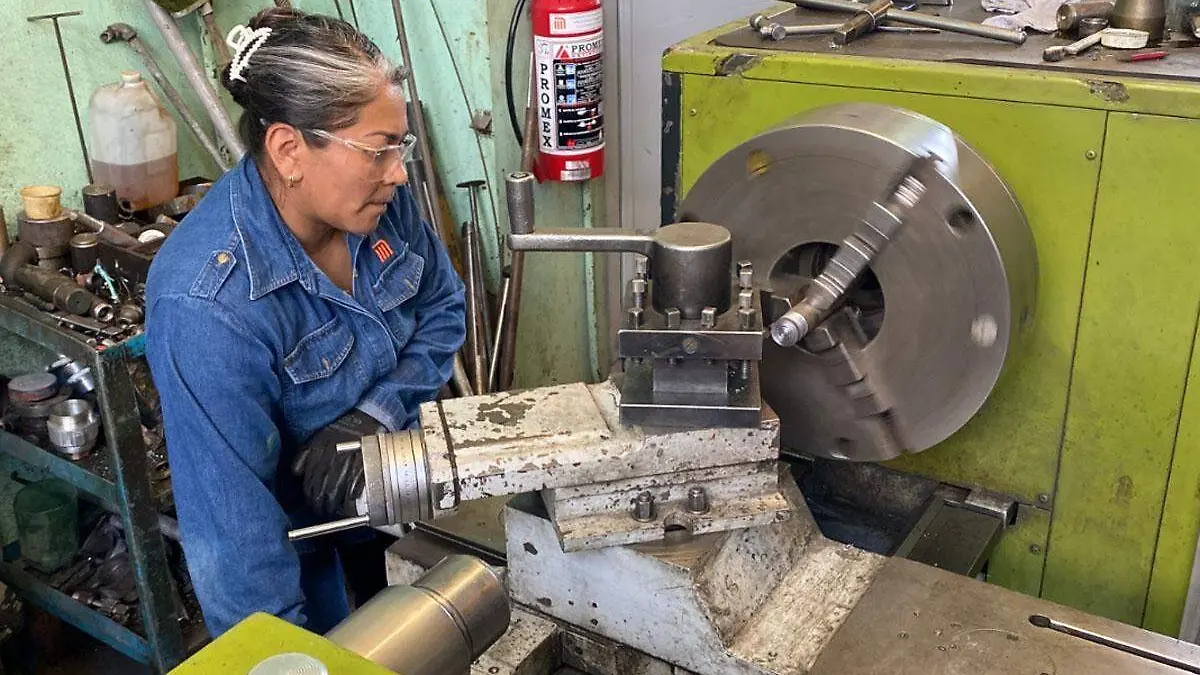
[312, 72]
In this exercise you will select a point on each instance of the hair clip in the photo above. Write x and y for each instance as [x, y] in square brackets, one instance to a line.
[244, 41]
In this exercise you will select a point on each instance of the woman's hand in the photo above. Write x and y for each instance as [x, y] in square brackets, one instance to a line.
[332, 480]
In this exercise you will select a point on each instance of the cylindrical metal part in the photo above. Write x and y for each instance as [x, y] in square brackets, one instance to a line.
[692, 268]
[105, 230]
[195, 76]
[437, 626]
[85, 250]
[1146, 15]
[54, 287]
[328, 528]
[861, 23]
[697, 500]
[1091, 25]
[518, 192]
[129, 315]
[501, 318]
[475, 335]
[1070, 14]
[919, 19]
[54, 233]
[600, 239]
[100, 202]
[33, 387]
[939, 315]
[73, 427]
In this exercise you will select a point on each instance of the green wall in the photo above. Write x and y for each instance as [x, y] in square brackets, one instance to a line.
[458, 63]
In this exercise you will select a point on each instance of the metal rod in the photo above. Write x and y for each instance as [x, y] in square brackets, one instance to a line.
[501, 317]
[127, 34]
[919, 19]
[474, 324]
[195, 76]
[105, 231]
[214, 34]
[1113, 643]
[480, 288]
[612, 239]
[328, 528]
[62, 55]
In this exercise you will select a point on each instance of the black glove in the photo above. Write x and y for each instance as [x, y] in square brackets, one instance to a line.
[333, 481]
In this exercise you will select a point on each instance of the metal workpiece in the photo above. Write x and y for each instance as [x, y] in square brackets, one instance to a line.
[865, 21]
[73, 427]
[437, 626]
[53, 234]
[920, 340]
[855, 254]
[1069, 14]
[895, 15]
[104, 230]
[18, 271]
[518, 192]
[74, 374]
[84, 249]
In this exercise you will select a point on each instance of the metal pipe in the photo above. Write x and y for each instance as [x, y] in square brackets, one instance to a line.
[919, 19]
[105, 231]
[474, 324]
[328, 528]
[438, 625]
[128, 34]
[195, 75]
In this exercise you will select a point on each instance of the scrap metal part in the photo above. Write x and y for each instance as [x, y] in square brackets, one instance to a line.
[917, 346]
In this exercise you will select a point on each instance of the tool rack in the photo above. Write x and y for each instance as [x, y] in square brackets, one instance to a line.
[115, 476]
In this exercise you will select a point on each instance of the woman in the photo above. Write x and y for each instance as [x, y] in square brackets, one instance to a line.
[302, 303]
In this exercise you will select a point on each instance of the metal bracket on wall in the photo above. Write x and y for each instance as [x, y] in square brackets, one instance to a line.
[958, 532]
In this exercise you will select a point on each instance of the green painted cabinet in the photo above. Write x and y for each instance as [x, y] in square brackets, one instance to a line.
[1093, 428]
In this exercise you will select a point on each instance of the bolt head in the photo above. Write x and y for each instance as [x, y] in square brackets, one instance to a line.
[691, 345]
[638, 286]
[777, 32]
[746, 274]
[641, 267]
[746, 318]
[635, 315]
[708, 317]
[674, 318]
[1090, 154]
[745, 299]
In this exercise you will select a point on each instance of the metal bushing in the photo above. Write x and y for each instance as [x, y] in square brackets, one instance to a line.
[73, 427]
[32, 388]
[74, 374]
[924, 337]
[692, 268]
[46, 234]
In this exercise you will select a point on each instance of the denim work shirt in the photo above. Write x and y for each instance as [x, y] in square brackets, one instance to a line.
[253, 349]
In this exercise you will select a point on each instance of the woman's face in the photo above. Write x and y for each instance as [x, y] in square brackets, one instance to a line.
[348, 186]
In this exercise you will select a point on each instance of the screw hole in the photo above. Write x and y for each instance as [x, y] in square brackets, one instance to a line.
[960, 220]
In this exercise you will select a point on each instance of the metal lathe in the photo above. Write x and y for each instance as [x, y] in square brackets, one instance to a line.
[850, 280]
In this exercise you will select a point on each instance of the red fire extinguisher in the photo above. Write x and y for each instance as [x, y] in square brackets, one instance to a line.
[568, 49]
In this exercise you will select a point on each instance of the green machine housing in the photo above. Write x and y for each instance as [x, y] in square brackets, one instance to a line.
[1095, 428]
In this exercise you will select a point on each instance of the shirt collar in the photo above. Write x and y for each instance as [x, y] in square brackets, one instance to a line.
[274, 256]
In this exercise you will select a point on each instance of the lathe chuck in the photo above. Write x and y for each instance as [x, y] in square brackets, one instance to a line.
[917, 347]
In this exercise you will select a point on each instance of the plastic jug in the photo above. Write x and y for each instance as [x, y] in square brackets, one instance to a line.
[133, 143]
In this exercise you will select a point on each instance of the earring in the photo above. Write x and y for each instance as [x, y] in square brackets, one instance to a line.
[291, 181]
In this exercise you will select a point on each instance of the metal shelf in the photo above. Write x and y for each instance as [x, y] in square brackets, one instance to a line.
[84, 475]
[117, 475]
[82, 617]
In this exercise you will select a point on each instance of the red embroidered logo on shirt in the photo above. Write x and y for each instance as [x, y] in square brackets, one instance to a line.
[382, 250]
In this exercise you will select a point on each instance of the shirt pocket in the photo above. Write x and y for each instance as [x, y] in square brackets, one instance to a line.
[396, 285]
[320, 353]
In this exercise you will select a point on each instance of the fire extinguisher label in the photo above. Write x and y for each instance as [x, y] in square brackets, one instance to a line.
[576, 22]
[570, 91]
